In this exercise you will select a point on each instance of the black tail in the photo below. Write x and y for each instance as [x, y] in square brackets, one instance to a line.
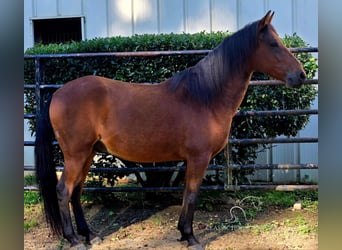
[45, 170]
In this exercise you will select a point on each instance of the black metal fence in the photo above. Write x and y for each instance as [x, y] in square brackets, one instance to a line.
[226, 168]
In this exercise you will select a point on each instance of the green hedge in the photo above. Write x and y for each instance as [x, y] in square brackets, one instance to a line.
[157, 69]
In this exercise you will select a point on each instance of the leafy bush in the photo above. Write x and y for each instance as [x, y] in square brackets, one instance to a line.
[157, 69]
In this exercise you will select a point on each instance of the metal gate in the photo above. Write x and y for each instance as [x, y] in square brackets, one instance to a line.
[227, 168]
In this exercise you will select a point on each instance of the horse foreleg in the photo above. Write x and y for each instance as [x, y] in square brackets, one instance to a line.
[193, 179]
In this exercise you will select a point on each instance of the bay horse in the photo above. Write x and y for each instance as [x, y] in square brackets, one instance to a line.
[194, 109]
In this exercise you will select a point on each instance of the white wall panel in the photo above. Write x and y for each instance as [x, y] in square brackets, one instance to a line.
[197, 16]
[70, 8]
[28, 10]
[120, 18]
[224, 17]
[46, 8]
[283, 20]
[96, 14]
[249, 11]
[284, 153]
[127, 17]
[171, 21]
[264, 157]
[309, 151]
[28, 26]
[306, 12]
[145, 13]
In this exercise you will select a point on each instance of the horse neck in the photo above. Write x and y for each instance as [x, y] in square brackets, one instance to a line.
[234, 92]
[225, 107]
[234, 85]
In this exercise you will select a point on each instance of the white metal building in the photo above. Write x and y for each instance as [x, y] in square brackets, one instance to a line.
[104, 18]
[58, 20]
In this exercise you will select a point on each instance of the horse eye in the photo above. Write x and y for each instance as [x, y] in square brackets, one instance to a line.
[274, 44]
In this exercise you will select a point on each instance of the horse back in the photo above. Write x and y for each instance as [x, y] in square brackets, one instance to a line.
[124, 117]
[137, 122]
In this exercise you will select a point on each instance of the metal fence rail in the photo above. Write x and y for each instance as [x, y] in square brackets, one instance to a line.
[39, 85]
[180, 188]
[147, 53]
[127, 170]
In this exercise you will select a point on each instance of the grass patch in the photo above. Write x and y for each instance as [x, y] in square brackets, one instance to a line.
[282, 199]
[30, 180]
[262, 228]
[29, 224]
[31, 198]
[301, 225]
[249, 204]
[157, 219]
[298, 224]
[31, 204]
[32, 216]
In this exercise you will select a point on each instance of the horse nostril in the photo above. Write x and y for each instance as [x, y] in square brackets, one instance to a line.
[302, 76]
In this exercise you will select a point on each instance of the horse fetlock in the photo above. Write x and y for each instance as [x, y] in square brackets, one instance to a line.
[62, 192]
[73, 239]
[186, 234]
[196, 247]
[190, 238]
[96, 240]
[78, 246]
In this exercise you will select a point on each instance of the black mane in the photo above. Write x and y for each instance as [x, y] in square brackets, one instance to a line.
[205, 81]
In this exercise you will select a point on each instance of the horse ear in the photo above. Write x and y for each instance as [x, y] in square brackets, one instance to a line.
[267, 19]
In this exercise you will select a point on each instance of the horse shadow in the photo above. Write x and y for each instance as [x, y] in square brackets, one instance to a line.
[109, 219]
[106, 218]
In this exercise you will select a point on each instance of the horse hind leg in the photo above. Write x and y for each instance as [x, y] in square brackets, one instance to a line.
[63, 194]
[81, 224]
[69, 189]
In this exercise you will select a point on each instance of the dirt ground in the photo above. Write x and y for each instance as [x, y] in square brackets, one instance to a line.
[151, 226]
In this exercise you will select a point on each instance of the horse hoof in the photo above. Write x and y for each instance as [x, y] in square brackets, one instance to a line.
[79, 246]
[182, 239]
[96, 241]
[196, 247]
[192, 241]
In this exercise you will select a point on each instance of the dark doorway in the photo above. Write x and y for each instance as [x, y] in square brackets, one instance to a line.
[59, 30]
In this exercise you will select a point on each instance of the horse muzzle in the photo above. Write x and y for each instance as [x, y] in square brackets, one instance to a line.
[295, 79]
